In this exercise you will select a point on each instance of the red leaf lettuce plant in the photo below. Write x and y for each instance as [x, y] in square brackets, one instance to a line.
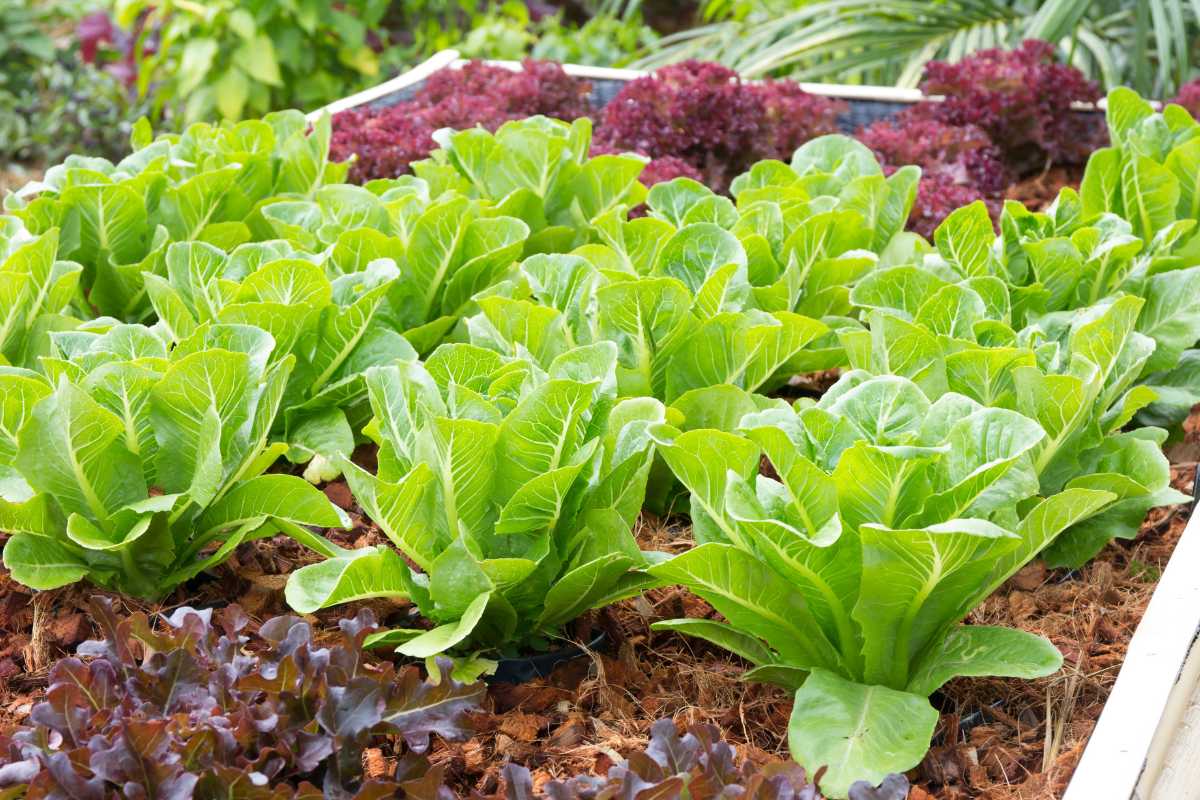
[387, 140]
[196, 715]
[1021, 98]
[706, 115]
[697, 764]
[1003, 115]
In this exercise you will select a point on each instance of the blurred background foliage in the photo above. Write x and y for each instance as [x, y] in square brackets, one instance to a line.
[1146, 44]
[74, 74]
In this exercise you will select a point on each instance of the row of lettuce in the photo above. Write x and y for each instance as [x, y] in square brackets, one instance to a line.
[997, 122]
[536, 365]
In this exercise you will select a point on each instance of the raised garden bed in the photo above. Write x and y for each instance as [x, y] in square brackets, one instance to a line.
[864, 104]
[488, 519]
[1000, 739]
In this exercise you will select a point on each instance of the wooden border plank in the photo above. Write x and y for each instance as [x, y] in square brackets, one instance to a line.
[434, 63]
[450, 59]
[1129, 748]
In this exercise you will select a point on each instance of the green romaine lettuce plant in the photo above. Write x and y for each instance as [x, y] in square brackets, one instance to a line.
[846, 578]
[902, 501]
[1130, 230]
[1075, 373]
[36, 291]
[137, 467]
[395, 269]
[332, 330]
[833, 173]
[685, 325]
[701, 292]
[206, 184]
[807, 233]
[446, 247]
[538, 171]
[247, 223]
[512, 490]
[1148, 177]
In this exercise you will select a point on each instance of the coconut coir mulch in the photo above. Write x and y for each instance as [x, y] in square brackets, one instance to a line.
[998, 739]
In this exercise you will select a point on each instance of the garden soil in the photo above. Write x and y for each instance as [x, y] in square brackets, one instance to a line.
[997, 739]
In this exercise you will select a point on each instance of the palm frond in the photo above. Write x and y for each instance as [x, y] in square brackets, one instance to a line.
[1146, 43]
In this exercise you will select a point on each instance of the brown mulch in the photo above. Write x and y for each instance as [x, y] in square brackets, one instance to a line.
[998, 739]
[1010, 739]
[1040, 190]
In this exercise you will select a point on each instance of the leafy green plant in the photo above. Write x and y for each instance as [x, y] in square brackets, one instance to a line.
[1129, 231]
[398, 272]
[445, 247]
[24, 39]
[51, 102]
[204, 185]
[186, 717]
[35, 290]
[995, 407]
[421, 28]
[611, 35]
[231, 59]
[700, 292]
[1061, 263]
[512, 490]
[1141, 44]
[606, 39]
[1074, 373]
[680, 327]
[247, 224]
[981, 307]
[69, 107]
[331, 329]
[1148, 177]
[816, 226]
[892, 516]
[538, 170]
[127, 463]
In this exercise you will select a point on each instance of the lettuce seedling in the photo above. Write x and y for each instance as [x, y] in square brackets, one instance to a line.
[512, 490]
[128, 463]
